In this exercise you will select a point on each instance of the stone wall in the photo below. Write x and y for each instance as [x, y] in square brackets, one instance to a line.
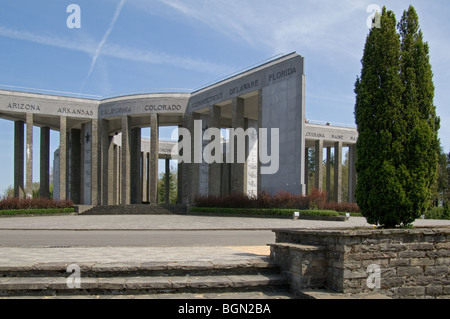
[400, 263]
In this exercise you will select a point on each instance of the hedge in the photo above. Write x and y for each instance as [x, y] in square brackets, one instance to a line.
[264, 212]
[35, 203]
[317, 200]
[37, 211]
[437, 213]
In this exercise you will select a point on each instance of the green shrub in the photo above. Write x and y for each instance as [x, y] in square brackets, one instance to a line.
[36, 211]
[264, 211]
[35, 203]
[437, 213]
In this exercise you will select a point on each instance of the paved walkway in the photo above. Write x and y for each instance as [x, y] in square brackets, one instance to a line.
[29, 257]
[179, 222]
[164, 222]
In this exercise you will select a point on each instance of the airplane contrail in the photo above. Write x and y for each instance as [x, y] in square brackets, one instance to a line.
[103, 41]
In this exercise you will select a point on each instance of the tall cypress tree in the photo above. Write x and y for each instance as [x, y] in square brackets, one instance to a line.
[422, 142]
[397, 124]
[379, 90]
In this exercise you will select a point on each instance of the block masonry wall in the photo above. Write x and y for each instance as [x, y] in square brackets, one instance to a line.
[412, 263]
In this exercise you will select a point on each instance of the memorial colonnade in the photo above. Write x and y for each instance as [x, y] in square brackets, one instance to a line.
[103, 158]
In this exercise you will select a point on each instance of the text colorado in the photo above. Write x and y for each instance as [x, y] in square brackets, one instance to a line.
[162, 107]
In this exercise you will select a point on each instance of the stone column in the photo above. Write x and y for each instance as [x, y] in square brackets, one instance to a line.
[329, 173]
[252, 159]
[319, 165]
[154, 157]
[18, 158]
[249, 142]
[107, 164]
[145, 177]
[226, 169]
[82, 164]
[338, 172]
[203, 166]
[186, 167]
[63, 158]
[260, 121]
[142, 176]
[190, 169]
[179, 177]
[116, 174]
[29, 157]
[351, 173]
[302, 109]
[237, 169]
[214, 181]
[87, 164]
[135, 153]
[45, 163]
[75, 166]
[109, 188]
[147, 182]
[306, 170]
[167, 182]
[96, 181]
[126, 161]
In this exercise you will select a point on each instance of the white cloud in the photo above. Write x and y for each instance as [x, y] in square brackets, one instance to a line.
[118, 51]
[88, 48]
[153, 57]
[279, 25]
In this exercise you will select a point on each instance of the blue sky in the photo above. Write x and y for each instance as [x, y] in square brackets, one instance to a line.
[135, 46]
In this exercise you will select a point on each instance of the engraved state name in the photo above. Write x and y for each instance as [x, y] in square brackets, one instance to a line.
[74, 111]
[24, 106]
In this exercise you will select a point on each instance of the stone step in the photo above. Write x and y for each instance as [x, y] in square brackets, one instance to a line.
[329, 294]
[50, 279]
[22, 286]
[263, 265]
[264, 294]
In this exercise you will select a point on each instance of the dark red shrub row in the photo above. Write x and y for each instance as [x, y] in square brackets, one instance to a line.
[37, 203]
[342, 207]
[282, 199]
[315, 200]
